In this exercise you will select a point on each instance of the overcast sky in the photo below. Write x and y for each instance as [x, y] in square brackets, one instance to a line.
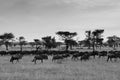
[37, 18]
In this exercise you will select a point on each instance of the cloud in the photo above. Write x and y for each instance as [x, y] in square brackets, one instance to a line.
[52, 6]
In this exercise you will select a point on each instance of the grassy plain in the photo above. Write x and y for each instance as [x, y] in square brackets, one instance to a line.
[94, 69]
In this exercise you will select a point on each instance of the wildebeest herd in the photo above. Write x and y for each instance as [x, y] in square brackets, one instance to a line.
[61, 55]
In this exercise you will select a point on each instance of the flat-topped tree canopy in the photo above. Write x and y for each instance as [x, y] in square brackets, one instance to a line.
[66, 34]
[22, 42]
[98, 32]
[49, 42]
[36, 40]
[7, 36]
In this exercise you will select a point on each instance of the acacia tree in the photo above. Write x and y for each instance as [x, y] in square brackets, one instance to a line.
[5, 38]
[94, 38]
[49, 42]
[97, 38]
[66, 36]
[88, 38]
[37, 43]
[113, 41]
[21, 42]
[1, 43]
[71, 43]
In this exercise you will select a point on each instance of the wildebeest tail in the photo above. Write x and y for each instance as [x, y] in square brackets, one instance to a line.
[33, 60]
[11, 59]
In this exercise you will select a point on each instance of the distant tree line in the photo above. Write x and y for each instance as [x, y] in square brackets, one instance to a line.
[94, 39]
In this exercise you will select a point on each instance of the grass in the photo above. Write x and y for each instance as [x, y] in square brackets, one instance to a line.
[94, 69]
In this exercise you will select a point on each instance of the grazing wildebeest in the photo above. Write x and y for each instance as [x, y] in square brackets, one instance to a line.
[65, 55]
[77, 55]
[113, 54]
[102, 53]
[39, 57]
[94, 53]
[16, 57]
[85, 57]
[57, 57]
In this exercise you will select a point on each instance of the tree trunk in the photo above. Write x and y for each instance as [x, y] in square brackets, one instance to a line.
[114, 46]
[70, 47]
[93, 45]
[100, 46]
[89, 45]
[36, 48]
[21, 48]
[67, 46]
[6, 47]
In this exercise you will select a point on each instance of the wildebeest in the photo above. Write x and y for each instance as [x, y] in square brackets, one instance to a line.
[65, 55]
[39, 57]
[102, 53]
[77, 55]
[113, 55]
[16, 57]
[85, 57]
[94, 53]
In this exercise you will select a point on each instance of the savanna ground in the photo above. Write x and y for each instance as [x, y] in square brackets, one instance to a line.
[94, 69]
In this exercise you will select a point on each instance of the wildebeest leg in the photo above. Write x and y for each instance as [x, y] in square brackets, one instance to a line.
[115, 59]
[72, 58]
[17, 60]
[77, 58]
[108, 59]
[99, 56]
[94, 56]
[41, 60]
[35, 61]
[81, 59]
[52, 60]
[11, 60]
[111, 59]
